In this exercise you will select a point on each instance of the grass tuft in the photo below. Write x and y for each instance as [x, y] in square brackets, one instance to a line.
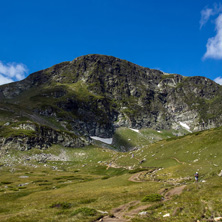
[85, 211]
[61, 205]
[152, 198]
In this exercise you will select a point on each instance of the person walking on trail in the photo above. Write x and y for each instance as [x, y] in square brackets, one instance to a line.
[196, 176]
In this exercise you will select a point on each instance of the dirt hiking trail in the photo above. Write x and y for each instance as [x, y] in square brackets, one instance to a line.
[129, 210]
[136, 177]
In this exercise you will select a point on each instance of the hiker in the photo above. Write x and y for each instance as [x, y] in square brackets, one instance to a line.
[196, 176]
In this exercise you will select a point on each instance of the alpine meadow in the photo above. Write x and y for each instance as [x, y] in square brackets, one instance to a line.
[103, 139]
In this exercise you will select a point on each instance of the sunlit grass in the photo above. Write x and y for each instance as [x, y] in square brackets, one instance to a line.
[85, 181]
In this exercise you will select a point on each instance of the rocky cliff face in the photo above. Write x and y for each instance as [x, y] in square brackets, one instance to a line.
[25, 136]
[94, 94]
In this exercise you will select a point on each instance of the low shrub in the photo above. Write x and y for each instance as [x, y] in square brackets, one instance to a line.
[152, 198]
[6, 182]
[105, 177]
[85, 211]
[22, 188]
[45, 184]
[62, 205]
[38, 181]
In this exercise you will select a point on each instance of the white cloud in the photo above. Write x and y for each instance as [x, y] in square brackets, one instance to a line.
[11, 72]
[4, 80]
[218, 80]
[214, 44]
[205, 15]
[208, 12]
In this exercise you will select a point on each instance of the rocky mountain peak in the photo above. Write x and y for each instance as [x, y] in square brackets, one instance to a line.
[95, 94]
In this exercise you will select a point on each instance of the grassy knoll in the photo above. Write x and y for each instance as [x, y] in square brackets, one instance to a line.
[126, 139]
[67, 184]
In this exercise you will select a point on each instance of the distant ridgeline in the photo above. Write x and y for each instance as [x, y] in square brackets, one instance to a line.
[73, 103]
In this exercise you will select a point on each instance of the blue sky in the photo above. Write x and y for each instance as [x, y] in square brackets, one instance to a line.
[183, 37]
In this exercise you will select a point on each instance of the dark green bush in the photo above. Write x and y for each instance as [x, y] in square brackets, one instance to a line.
[6, 182]
[105, 177]
[62, 205]
[152, 198]
[85, 211]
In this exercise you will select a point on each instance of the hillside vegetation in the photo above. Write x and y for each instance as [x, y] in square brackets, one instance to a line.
[85, 184]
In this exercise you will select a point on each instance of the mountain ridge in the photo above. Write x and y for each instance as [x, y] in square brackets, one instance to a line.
[95, 94]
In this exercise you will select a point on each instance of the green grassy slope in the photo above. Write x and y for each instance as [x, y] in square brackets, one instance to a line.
[125, 139]
[64, 184]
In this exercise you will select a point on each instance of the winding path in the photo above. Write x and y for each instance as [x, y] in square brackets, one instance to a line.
[131, 209]
[178, 160]
[136, 177]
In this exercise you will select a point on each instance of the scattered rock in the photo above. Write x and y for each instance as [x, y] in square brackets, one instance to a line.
[220, 174]
[142, 161]
[24, 177]
[102, 212]
[143, 213]
[166, 215]
[23, 184]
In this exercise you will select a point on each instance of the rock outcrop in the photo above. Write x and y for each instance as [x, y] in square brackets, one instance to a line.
[26, 136]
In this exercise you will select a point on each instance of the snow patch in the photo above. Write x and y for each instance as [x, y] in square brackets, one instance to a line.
[104, 140]
[184, 125]
[135, 130]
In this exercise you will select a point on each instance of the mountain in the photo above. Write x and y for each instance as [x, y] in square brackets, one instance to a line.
[93, 95]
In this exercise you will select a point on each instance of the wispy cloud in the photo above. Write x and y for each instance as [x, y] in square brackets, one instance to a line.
[214, 44]
[218, 80]
[206, 13]
[11, 72]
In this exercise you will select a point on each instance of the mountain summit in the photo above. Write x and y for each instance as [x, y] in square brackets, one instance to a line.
[95, 94]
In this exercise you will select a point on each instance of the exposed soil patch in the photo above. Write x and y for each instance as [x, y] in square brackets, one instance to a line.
[132, 213]
[129, 210]
[119, 212]
[174, 191]
[137, 177]
[142, 175]
[178, 160]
